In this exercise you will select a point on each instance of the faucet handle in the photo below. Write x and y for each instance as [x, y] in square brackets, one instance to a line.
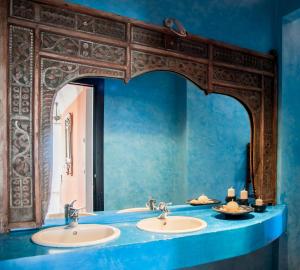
[163, 206]
[72, 203]
[151, 203]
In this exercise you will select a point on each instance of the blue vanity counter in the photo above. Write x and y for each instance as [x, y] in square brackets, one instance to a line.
[136, 249]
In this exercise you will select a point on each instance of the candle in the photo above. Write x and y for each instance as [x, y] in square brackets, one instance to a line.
[244, 194]
[231, 192]
[259, 202]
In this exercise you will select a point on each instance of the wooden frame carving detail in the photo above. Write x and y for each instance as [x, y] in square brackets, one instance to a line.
[53, 44]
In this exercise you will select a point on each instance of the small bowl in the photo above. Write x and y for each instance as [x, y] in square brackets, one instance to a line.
[229, 199]
[212, 201]
[243, 202]
[259, 208]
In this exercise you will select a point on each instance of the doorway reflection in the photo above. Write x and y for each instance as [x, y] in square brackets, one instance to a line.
[72, 149]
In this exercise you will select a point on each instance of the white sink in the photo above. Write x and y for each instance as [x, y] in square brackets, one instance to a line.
[172, 224]
[132, 210]
[79, 236]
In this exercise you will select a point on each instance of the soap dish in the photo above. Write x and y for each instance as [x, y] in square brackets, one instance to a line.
[194, 203]
[243, 210]
[259, 208]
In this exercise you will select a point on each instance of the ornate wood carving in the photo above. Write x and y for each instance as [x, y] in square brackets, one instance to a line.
[101, 26]
[144, 62]
[236, 77]
[147, 37]
[72, 42]
[60, 17]
[196, 49]
[20, 131]
[76, 47]
[157, 39]
[23, 9]
[229, 56]
[266, 187]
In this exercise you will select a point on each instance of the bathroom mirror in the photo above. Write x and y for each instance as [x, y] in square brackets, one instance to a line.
[159, 135]
[62, 43]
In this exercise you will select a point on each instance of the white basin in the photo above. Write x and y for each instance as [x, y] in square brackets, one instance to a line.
[135, 209]
[172, 224]
[79, 236]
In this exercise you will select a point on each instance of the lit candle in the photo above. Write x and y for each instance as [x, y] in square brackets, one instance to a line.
[244, 194]
[259, 202]
[231, 192]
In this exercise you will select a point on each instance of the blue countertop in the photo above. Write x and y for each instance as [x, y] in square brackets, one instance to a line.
[136, 249]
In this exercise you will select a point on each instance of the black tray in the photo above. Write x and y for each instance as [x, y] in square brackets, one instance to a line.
[213, 201]
[247, 210]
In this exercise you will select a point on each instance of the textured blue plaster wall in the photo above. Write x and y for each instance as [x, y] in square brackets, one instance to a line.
[163, 137]
[144, 140]
[247, 23]
[218, 131]
[289, 140]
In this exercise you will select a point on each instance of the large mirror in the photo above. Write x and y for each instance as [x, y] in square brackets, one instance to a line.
[116, 144]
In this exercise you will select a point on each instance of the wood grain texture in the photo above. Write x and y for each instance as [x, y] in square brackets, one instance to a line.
[3, 118]
[67, 42]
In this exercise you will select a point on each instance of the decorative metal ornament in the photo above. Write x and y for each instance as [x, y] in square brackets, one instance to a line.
[175, 26]
[69, 144]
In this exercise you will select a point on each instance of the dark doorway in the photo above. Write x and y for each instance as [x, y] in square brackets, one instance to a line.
[98, 127]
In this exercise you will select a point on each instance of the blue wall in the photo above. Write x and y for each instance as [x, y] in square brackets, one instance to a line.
[289, 130]
[144, 142]
[218, 131]
[246, 23]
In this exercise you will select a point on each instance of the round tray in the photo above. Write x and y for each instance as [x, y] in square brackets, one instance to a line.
[213, 201]
[246, 210]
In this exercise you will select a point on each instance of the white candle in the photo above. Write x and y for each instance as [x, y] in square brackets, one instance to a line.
[259, 202]
[244, 194]
[231, 192]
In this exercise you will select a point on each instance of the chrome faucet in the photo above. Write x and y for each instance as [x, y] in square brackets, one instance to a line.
[71, 215]
[151, 204]
[163, 207]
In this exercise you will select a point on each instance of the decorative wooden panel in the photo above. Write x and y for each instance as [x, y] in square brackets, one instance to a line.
[72, 46]
[229, 56]
[20, 131]
[144, 62]
[147, 37]
[236, 77]
[269, 152]
[53, 44]
[68, 19]
[157, 39]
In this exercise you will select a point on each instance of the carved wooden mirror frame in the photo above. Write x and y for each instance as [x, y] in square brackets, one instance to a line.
[49, 45]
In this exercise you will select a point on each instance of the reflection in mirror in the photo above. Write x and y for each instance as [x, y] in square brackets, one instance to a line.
[72, 172]
[158, 135]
